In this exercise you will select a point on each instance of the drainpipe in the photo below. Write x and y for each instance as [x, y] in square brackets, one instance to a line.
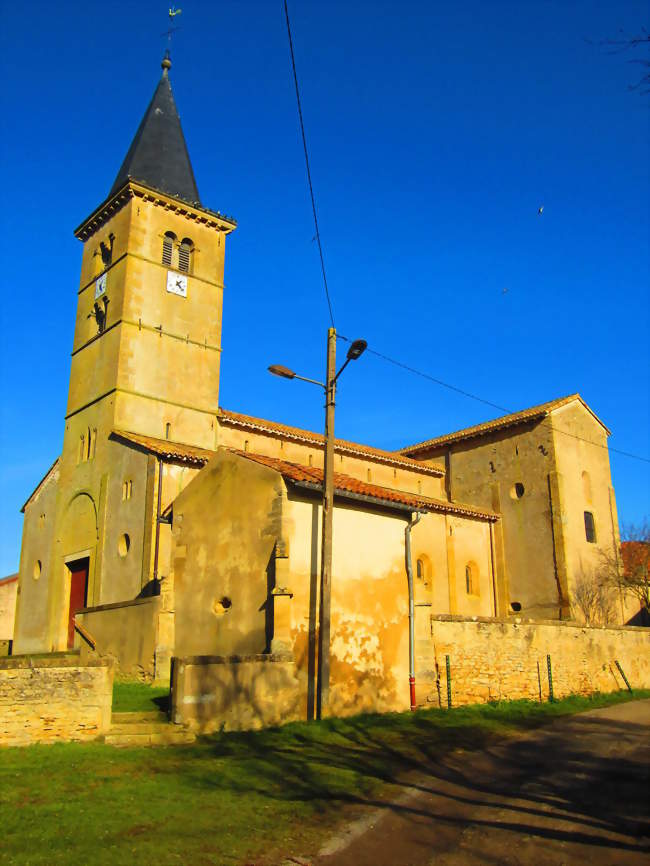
[158, 521]
[415, 519]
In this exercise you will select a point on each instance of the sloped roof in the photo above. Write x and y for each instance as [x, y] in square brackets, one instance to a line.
[158, 154]
[341, 446]
[10, 578]
[163, 448]
[41, 483]
[313, 476]
[525, 416]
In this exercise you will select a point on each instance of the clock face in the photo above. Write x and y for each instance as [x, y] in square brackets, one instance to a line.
[100, 286]
[177, 284]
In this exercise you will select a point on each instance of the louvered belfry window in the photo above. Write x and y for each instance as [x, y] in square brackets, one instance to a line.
[168, 249]
[185, 255]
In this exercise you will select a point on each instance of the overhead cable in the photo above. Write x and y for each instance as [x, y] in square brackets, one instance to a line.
[457, 390]
[304, 144]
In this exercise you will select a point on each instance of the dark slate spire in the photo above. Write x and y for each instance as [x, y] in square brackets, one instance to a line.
[158, 154]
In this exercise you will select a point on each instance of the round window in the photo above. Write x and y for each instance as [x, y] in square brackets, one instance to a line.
[517, 490]
[123, 545]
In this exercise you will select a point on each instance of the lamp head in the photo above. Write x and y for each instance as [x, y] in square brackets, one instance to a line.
[279, 370]
[357, 349]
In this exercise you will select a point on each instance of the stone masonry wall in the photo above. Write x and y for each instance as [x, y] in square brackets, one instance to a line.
[494, 660]
[55, 698]
[235, 693]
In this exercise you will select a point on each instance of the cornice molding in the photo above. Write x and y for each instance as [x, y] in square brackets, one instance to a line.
[135, 189]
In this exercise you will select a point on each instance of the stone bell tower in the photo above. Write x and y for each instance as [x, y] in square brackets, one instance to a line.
[147, 342]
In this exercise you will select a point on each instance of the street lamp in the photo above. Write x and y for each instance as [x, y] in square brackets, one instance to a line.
[355, 351]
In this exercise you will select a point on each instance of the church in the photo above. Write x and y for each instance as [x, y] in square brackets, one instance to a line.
[172, 528]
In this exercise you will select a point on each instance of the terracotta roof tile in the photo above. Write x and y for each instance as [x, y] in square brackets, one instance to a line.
[346, 484]
[392, 458]
[174, 451]
[526, 415]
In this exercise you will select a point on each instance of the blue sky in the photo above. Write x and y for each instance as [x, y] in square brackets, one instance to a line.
[435, 133]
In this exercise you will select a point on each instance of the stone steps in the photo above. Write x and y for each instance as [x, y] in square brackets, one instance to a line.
[145, 729]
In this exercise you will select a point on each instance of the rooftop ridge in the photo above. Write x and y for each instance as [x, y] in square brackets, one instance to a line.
[503, 422]
[340, 445]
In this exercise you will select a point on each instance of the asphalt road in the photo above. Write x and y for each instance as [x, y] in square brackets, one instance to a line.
[576, 792]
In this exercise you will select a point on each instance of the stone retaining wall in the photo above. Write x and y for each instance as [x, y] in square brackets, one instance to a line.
[235, 693]
[53, 698]
[495, 660]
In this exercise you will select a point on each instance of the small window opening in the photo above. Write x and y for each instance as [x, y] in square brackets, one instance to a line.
[185, 255]
[123, 545]
[168, 430]
[168, 248]
[515, 606]
[226, 603]
[471, 579]
[92, 441]
[419, 487]
[82, 449]
[311, 459]
[127, 489]
[245, 444]
[419, 569]
[37, 569]
[590, 527]
[369, 475]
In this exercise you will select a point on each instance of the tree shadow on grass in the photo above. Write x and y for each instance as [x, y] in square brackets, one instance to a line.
[569, 772]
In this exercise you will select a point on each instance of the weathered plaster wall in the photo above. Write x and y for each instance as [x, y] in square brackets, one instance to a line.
[369, 628]
[126, 633]
[211, 693]
[498, 660]
[226, 525]
[45, 700]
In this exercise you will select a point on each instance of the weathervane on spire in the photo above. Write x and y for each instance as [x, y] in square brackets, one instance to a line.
[168, 33]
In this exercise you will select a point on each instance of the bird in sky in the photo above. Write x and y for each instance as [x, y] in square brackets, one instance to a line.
[540, 210]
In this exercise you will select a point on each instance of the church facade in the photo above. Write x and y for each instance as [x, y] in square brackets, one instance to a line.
[171, 527]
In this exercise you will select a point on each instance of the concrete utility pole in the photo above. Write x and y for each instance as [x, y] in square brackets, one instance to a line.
[327, 531]
[357, 348]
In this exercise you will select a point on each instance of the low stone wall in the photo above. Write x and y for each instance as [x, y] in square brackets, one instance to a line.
[495, 660]
[124, 632]
[235, 693]
[53, 698]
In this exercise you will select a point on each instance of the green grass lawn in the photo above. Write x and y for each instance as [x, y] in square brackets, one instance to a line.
[239, 798]
[130, 696]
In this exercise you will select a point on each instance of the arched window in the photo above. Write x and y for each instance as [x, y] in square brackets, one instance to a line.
[471, 579]
[423, 571]
[168, 248]
[185, 255]
[168, 430]
[590, 527]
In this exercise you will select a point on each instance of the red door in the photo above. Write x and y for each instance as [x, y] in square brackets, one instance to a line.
[78, 587]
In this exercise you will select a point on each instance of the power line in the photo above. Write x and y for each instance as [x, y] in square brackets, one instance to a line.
[440, 382]
[304, 144]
